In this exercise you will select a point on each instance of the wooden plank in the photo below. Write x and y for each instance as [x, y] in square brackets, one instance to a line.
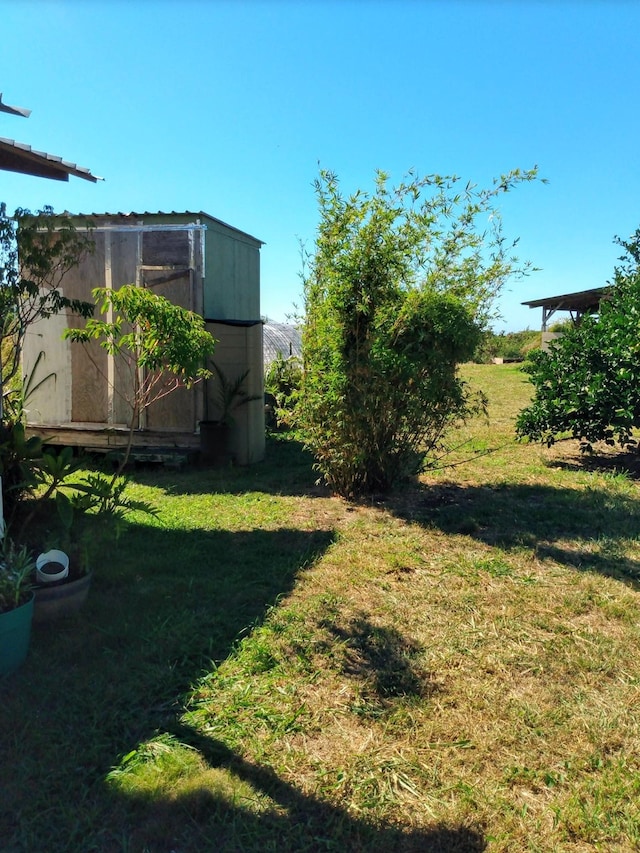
[124, 263]
[94, 437]
[89, 392]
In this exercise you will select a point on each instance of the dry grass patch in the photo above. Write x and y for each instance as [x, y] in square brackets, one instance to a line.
[446, 681]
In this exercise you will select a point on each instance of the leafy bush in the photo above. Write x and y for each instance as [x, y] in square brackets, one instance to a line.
[20, 458]
[588, 384]
[399, 287]
[508, 345]
[230, 394]
[162, 346]
[282, 381]
[561, 325]
[16, 566]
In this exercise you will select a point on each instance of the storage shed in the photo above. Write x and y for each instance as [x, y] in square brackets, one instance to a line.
[196, 261]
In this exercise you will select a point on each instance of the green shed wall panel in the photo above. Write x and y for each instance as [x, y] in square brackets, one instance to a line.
[232, 279]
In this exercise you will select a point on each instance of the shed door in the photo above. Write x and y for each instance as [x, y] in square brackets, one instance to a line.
[176, 412]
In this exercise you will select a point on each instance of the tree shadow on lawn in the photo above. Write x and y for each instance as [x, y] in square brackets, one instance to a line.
[383, 660]
[164, 607]
[531, 516]
[205, 820]
[608, 463]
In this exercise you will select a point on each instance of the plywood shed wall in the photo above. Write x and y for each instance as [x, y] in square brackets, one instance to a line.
[240, 345]
[169, 257]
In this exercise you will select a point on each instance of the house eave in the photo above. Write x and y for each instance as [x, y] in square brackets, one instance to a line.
[21, 158]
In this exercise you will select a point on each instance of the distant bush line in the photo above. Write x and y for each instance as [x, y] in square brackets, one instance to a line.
[507, 345]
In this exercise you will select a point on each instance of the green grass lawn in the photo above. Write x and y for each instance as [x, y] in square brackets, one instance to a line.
[264, 667]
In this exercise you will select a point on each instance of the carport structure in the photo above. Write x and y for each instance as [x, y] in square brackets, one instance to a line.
[578, 304]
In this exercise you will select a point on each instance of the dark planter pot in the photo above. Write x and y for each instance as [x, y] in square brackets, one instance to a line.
[214, 443]
[63, 598]
[15, 634]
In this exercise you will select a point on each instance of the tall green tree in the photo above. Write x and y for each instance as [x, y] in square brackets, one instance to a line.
[398, 288]
[587, 386]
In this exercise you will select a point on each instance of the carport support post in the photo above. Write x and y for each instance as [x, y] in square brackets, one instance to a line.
[547, 313]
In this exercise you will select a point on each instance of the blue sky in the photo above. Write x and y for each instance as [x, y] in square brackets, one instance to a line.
[231, 107]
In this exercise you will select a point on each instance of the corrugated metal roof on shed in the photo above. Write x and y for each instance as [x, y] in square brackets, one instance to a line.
[160, 213]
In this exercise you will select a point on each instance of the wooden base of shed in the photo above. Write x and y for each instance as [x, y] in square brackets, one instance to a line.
[148, 445]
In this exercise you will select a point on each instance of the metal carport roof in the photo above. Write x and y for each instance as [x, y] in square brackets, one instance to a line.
[583, 300]
[579, 303]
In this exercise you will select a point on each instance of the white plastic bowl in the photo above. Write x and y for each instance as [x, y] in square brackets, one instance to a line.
[53, 556]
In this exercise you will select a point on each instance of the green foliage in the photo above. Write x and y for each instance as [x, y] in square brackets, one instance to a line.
[30, 468]
[97, 494]
[230, 394]
[54, 467]
[17, 395]
[104, 495]
[19, 458]
[151, 332]
[561, 325]
[507, 345]
[588, 384]
[399, 287]
[36, 252]
[282, 382]
[16, 566]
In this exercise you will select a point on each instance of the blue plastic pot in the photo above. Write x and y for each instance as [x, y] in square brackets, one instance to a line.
[15, 633]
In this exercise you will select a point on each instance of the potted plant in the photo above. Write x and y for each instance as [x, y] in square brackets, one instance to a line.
[230, 395]
[62, 583]
[62, 577]
[16, 604]
[91, 519]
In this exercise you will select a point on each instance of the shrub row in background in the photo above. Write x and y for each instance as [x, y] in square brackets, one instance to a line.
[507, 345]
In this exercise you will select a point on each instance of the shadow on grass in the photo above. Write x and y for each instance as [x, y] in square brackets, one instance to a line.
[611, 463]
[515, 516]
[383, 659]
[296, 822]
[164, 607]
[286, 470]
